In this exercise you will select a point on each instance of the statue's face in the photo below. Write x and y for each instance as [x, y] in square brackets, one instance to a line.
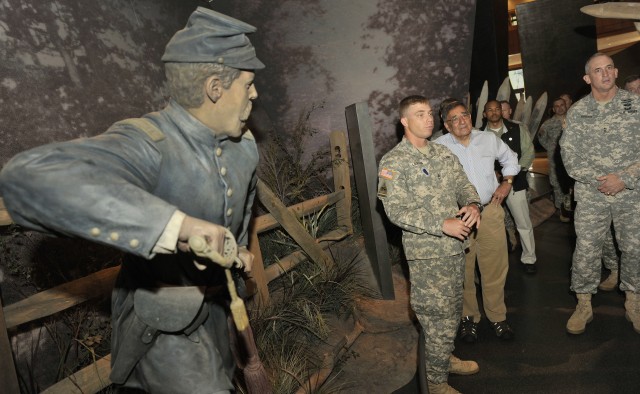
[235, 104]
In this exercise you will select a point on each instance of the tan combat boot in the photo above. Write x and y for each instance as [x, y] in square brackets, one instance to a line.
[441, 388]
[583, 314]
[460, 367]
[610, 283]
[632, 305]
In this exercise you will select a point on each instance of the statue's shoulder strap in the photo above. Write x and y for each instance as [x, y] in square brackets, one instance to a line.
[145, 125]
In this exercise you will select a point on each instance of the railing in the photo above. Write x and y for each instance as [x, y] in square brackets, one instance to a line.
[95, 377]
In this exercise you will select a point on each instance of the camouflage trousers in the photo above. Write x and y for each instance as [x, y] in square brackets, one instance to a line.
[436, 299]
[592, 224]
[558, 195]
[561, 182]
[609, 252]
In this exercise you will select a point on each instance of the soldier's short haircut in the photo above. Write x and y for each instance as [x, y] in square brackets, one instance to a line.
[505, 102]
[186, 80]
[595, 55]
[409, 101]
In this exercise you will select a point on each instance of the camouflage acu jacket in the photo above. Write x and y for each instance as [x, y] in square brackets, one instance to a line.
[419, 191]
[549, 134]
[603, 139]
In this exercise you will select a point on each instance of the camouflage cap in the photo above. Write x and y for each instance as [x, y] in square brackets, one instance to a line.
[212, 37]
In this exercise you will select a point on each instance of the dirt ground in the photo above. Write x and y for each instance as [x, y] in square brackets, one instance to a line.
[383, 358]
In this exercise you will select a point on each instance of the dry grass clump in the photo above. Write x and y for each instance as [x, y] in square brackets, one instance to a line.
[288, 169]
[292, 332]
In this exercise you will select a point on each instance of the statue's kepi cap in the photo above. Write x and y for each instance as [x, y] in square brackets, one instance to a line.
[212, 37]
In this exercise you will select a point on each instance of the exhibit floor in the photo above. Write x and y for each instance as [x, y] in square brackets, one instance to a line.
[542, 358]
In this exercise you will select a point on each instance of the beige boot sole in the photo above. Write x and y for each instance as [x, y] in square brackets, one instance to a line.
[464, 372]
[609, 285]
[626, 315]
[578, 332]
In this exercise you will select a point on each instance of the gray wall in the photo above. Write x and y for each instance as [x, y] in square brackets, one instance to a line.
[335, 53]
[71, 68]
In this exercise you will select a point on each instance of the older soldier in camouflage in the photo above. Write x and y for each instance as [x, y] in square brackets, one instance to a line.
[422, 185]
[601, 151]
[609, 251]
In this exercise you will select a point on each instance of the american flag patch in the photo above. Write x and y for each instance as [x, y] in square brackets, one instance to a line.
[386, 174]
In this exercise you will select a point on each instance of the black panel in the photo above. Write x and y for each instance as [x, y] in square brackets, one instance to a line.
[365, 172]
[556, 39]
[627, 62]
[501, 21]
[489, 60]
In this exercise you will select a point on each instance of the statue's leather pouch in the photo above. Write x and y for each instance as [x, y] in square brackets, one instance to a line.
[171, 309]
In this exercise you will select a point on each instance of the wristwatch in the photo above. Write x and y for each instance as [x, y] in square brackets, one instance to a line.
[477, 204]
[509, 181]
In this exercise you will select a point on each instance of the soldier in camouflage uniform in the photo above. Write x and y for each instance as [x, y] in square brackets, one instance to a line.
[421, 186]
[611, 262]
[632, 84]
[609, 251]
[601, 151]
[549, 135]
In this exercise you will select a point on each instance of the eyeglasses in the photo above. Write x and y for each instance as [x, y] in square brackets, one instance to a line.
[458, 118]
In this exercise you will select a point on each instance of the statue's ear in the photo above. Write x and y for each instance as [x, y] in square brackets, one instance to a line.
[213, 88]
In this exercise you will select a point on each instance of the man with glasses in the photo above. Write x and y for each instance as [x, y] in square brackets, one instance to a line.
[477, 152]
[421, 186]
